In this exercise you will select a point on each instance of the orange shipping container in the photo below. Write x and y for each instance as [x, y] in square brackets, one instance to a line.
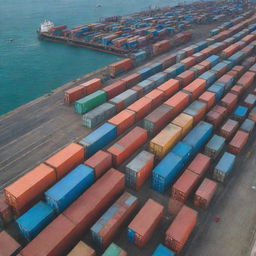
[189, 62]
[178, 102]
[169, 88]
[205, 193]
[74, 94]
[195, 88]
[229, 101]
[100, 162]
[237, 90]
[131, 79]
[200, 164]
[66, 159]
[186, 77]
[180, 229]
[123, 120]
[206, 63]
[82, 249]
[127, 145]
[25, 191]
[184, 186]
[208, 98]
[6, 215]
[8, 246]
[237, 144]
[91, 86]
[141, 107]
[246, 80]
[146, 221]
[185, 122]
[114, 89]
[157, 97]
[199, 69]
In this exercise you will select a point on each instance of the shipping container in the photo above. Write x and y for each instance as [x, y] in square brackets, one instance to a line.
[145, 223]
[180, 229]
[209, 77]
[158, 78]
[139, 169]
[158, 119]
[229, 101]
[197, 110]
[123, 120]
[165, 140]
[90, 102]
[114, 89]
[189, 61]
[240, 113]
[250, 101]
[247, 126]
[200, 164]
[198, 136]
[186, 77]
[215, 146]
[98, 139]
[69, 188]
[91, 86]
[161, 250]
[120, 67]
[246, 80]
[238, 142]
[157, 97]
[141, 108]
[195, 89]
[73, 94]
[169, 88]
[229, 128]
[237, 90]
[8, 245]
[98, 115]
[110, 223]
[218, 90]
[6, 214]
[205, 193]
[114, 250]
[100, 162]
[82, 249]
[66, 159]
[198, 69]
[28, 189]
[252, 114]
[147, 85]
[185, 185]
[131, 80]
[185, 122]
[208, 98]
[224, 167]
[32, 222]
[127, 145]
[216, 115]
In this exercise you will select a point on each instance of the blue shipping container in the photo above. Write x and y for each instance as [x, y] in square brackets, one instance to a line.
[183, 150]
[35, 220]
[147, 85]
[240, 113]
[99, 138]
[214, 147]
[145, 73]
[209, 77]
[69, 188]
[247, 125]
[159, 78]
[163, 251]
[198, 136]
[214, 59]
[218, 89]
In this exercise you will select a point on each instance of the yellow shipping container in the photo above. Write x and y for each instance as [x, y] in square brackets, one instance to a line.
[185, 122]
[165, 140]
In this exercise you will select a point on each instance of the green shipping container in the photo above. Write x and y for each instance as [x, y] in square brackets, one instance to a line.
[90, 102]
[114, 250]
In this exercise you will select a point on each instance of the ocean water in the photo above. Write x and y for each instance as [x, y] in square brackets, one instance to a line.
[30, 68]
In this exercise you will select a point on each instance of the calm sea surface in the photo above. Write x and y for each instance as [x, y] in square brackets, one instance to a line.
[30, 68]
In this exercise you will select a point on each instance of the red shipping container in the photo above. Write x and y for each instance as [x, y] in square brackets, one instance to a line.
[123, 120]
[25, 191]
[139, 90]
[216, 117]
[141, 108]
[198, 69]
[206, 63]
[74, 94]
[200, 164]
[239, 69]
[205, 193]
[157, 97]
[131, 79]
[229, 50]
[5, 211]
[169, 88]
[158, 118]
[196, 88]
[208, 98]
[246, 80]
[100, 162]
[186, 77]
[180, 229]
[122, 65]
[127, 145]
[91, 86]
[146, 221]
[115, 88]
[184, 186]
[189, 61]
[168, 61]
[8, 246]
[178, 102]
[53, 240]
[237, 144]
[229, 101]
[207, 51]
[237, 90]
[95, 200]
[66, 159]
[229, 128]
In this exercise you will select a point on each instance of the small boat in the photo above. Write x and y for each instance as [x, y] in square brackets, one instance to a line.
[11, 39]
[98, 5]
